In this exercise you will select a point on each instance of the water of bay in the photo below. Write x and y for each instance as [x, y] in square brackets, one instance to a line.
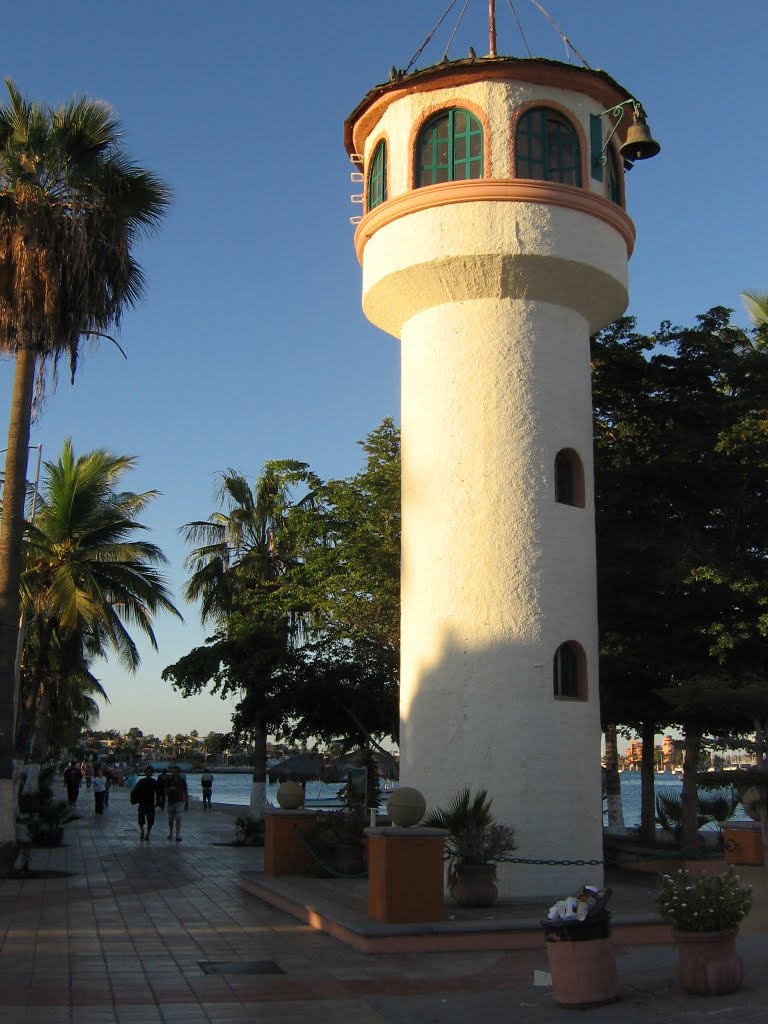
[236, 789]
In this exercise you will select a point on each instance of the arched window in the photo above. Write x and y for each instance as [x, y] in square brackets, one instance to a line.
[377, 176]
[569, 672]
[449, 148]
[547, 147]
[569, 478]
[614, 181]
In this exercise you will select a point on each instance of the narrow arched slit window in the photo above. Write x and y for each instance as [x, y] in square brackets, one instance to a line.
[569, 478]
[377, 176]
[547, 147]
[449, 148]
[569, 672]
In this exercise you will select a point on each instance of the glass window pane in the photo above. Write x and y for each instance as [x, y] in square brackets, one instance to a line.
[450, 148]
[547, 147]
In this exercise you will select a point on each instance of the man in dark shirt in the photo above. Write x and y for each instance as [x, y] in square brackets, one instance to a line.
[144, 793]
[72, 779]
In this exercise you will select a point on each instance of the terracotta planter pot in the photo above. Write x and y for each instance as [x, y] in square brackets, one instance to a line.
[707, 962]
[474, 885]
[583, 973]
[347, 858]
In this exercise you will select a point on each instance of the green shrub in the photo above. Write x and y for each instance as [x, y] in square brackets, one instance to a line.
[711, 903]
[249, 832]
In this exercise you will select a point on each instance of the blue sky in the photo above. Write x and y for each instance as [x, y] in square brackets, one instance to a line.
[251, 344]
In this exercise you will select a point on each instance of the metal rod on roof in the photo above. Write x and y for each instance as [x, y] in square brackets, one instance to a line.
[492, 26]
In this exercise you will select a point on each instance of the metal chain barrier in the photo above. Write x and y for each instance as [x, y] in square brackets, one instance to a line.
[549, 863]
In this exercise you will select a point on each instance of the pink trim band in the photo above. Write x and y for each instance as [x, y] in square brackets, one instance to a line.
[494, 190]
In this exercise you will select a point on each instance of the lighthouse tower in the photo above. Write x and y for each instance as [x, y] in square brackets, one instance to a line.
[494, 242]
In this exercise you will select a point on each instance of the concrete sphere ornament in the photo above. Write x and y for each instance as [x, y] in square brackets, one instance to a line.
[750, 801]
[290, 795]
[406, 807]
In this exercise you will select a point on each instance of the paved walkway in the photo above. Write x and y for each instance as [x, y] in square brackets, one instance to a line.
[131, 933]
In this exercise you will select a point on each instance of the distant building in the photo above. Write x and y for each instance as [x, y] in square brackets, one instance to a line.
[634, 754]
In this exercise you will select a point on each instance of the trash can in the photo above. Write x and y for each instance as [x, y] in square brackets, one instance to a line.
[582, 961]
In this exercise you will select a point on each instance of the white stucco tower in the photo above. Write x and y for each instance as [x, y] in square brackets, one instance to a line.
[493, 242]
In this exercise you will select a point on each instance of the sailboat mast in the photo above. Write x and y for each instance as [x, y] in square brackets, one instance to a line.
[492, 26]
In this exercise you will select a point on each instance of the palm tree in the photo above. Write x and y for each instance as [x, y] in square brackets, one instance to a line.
[72, 207]
[64, 676]
[757, 307]
[249, 545]
[86, 577]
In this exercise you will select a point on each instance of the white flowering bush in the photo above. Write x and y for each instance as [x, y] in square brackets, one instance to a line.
[711, 903]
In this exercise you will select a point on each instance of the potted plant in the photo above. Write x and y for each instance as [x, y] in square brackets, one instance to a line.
[46, 825]
[476, 841]
[337, 842]
[705, 913]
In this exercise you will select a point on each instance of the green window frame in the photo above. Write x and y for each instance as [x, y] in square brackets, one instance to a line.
[449, 148]
[377, 176]
[614, 181]
[565, 672]
[547, 148]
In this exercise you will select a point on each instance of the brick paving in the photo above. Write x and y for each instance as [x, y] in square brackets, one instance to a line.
[122, 940]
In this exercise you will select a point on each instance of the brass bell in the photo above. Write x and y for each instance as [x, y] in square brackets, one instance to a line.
[639, 144]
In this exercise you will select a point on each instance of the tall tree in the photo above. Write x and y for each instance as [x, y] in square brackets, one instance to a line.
[681, 480]
[72, 208]
[243, 556]
[351, 654]
[88, 575]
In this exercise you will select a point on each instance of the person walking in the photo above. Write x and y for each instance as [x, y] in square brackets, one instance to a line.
[162, 783]
[206, 781]
[144, 793]
[99, 790]
[72, 780]
[177, 795]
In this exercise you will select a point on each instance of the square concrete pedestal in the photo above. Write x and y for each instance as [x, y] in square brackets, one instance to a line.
[284, 850]
[406, 869]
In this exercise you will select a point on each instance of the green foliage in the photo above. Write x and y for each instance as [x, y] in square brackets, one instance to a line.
[707, 904]
[714, 807]
[305, 595]
[475, 837]
[332, 830]
[87, 576]
[73, 208]
[249, 832]
[681, 474]
[46, 824]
